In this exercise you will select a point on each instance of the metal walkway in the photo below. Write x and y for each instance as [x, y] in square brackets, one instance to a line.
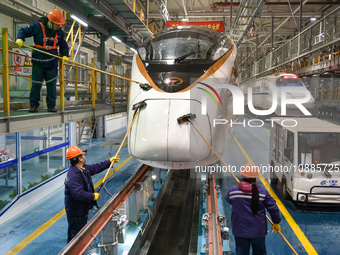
[23, 120]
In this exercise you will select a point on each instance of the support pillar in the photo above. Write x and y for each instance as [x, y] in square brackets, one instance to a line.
[102, 58]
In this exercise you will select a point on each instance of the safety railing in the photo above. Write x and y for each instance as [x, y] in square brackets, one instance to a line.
[138, 10]
[321, 34]
[92, 86]
[330, 95]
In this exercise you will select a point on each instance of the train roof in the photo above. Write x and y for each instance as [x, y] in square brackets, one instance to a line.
[213, 34]
[268, 77]
[310, 125]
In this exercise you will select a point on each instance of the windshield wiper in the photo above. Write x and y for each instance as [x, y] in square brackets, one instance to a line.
[196, 50]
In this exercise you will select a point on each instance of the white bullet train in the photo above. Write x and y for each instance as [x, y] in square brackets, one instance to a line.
[262, 93]
[181, 69]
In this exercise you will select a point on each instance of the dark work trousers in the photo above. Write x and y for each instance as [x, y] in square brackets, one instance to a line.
[75, 224]
[243, 245]
[40, 73]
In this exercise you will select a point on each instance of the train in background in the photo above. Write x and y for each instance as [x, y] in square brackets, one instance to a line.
[180, 68]
[263, 98]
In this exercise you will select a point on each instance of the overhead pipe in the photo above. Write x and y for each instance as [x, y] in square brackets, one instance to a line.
[215, 5]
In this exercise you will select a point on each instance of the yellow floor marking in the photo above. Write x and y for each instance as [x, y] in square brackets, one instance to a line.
[256, 124]
[105, 143]
[53, 220]
[115, 145]
[36, 233]
[298, 232]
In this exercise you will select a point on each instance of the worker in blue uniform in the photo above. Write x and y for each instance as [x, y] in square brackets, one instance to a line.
[248, 215]
[80, 195]
[48, 36]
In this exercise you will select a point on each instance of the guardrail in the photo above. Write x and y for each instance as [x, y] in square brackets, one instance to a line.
[319, 35]
[92, 82]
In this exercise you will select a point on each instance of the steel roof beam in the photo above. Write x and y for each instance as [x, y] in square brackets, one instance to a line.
[111, 15]
[264, 14]
[244, 17]
[92, 21]
[216, 5]
[161, 5]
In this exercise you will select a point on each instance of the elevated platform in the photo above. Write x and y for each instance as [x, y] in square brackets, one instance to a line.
[21, 120]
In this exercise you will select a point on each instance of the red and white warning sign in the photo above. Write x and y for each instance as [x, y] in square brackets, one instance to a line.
[21, 61]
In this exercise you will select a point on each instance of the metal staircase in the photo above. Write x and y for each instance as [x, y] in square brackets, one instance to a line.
[87, 131]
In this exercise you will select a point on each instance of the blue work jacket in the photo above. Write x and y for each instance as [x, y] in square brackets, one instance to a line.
[79, 188]
[35, 30]
[243, 223]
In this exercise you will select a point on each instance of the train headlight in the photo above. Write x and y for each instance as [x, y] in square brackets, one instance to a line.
[145, 86]
[309, 176]
[302, 198]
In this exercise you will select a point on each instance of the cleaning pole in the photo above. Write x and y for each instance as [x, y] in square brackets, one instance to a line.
[137, 107]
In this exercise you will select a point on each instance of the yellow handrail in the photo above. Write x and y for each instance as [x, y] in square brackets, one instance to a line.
[76, 63]
[5, 72]
[93, 82]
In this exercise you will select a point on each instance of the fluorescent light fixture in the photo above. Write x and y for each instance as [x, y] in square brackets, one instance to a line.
[79, 20]
[185, 19]
[133, 50]
[313, 19]
[116, 39]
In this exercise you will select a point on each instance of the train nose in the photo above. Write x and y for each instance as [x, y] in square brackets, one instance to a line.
[156, 135]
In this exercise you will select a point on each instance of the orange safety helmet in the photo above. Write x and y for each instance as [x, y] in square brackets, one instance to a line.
[73, 152]
[56, 17]
[249, 170]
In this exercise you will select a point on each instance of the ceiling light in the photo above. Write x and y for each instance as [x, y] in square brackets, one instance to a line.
[313, 19]
[116, 39]
[185, 19]
[79, 20]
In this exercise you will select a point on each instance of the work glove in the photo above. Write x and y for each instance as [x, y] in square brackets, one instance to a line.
[96, 196]
[20, 42]
[65, 58]
[115, 159]
[276, 227]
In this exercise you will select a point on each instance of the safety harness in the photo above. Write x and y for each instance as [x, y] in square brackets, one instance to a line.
[45, 39]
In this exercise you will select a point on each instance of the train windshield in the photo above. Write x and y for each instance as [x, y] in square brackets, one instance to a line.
[289, 81]
[180, 49]
[183, 47]
[177, 57]
[319, 148]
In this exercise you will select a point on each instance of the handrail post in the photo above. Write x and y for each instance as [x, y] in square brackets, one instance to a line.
[79, 29]
[127, 85]
[72, 45]
[93, 87]
[121, 87]
[113, 86]
[5, 72]
[110, 86]
[62, 85]
[70, 31]
[76, 82]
